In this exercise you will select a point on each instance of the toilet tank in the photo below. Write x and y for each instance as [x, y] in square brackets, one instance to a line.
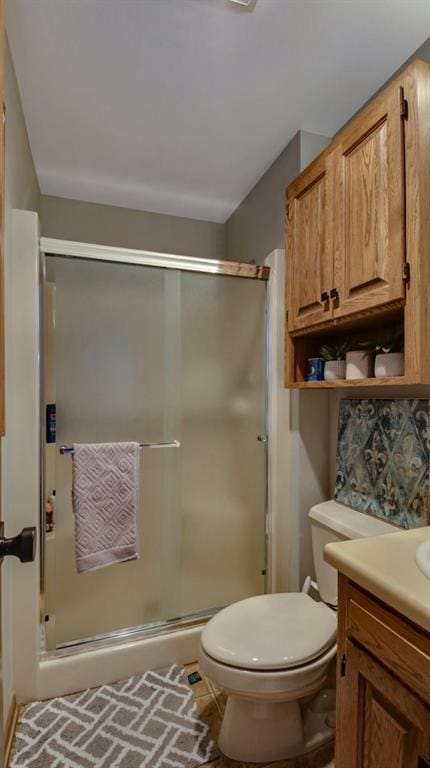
[332, 522]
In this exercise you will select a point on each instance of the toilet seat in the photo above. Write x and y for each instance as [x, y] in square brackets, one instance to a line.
[269, 684]
[270, 632]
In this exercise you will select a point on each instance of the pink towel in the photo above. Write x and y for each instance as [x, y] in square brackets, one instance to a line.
[105, 499]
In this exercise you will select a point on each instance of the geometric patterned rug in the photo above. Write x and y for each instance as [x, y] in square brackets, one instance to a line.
[147, 721]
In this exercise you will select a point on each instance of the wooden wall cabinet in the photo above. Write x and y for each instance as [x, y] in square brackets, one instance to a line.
[310, 243]
[358, 229]
[383, 686]
[369, 207]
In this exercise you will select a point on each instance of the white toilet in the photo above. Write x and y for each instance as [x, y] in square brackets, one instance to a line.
[270, 654]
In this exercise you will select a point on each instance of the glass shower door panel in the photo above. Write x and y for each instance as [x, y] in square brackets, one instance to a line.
[148, 354]
[111, 359]
[223, 468]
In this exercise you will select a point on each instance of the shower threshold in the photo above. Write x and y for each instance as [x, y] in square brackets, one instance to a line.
[128, 634]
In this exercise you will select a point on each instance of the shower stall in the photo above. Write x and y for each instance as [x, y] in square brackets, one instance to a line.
[170, 352]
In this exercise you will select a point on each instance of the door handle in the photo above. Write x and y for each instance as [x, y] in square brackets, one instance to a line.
[422, 762]
[334, 293]
[22, 546]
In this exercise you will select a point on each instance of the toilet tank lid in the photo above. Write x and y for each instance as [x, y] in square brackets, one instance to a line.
[348, 522]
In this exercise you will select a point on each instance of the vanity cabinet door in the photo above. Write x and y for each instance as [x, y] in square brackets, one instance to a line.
[309, 246]
[380, 722]
[369, 207]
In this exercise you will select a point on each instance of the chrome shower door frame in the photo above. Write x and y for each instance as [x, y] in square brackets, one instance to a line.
[89, 251]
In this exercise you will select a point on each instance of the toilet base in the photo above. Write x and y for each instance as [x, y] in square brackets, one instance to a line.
[261, 731]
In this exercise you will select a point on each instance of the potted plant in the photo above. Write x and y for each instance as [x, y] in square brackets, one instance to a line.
[358, 364]
[334, 357]
[389, 355]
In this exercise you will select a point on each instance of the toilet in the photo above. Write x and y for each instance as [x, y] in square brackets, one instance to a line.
[270, 654]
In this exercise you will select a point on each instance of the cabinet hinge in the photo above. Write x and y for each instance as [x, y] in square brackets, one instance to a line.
[404, 108]
[406, 272]
[343, 666]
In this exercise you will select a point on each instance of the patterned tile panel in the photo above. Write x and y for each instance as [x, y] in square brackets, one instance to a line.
[383, 459]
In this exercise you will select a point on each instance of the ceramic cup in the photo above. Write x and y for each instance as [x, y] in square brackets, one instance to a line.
[315, 369]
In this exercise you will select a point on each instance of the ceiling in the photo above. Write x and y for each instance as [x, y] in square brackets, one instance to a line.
[179, 106]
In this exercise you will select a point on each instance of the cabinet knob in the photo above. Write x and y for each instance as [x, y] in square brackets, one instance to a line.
[334, 293]
[324, 297]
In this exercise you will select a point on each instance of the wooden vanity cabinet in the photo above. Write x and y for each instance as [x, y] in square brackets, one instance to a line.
[383, 685]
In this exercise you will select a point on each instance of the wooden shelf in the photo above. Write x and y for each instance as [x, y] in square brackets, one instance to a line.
[300, 348]
[386, 381]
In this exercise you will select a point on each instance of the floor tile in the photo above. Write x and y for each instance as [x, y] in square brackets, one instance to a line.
[225, 762]
[201, 688]
[303, 762]
[319, 758]
[221, 701]
[208, 711]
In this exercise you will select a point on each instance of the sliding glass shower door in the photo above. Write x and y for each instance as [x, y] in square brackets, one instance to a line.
[153, 355]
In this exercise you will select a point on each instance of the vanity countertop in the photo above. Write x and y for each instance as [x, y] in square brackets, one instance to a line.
[385, 566]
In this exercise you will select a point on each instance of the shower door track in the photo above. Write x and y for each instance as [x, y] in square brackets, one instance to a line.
[120, 636]
[73, 249]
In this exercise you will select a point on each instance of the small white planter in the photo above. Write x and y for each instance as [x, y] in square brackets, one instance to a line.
[390, 364]
[334, 369]
[358, 365]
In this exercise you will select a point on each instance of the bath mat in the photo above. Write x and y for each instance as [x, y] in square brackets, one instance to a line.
[148, 721]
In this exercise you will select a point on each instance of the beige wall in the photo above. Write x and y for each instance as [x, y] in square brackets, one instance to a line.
[253, 231]
[256, 228]
[111, 225]
[22, 191]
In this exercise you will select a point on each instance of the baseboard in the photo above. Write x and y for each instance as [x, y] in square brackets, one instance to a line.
[10, 728]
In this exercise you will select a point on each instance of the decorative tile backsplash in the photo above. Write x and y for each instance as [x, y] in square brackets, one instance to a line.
[383, 459]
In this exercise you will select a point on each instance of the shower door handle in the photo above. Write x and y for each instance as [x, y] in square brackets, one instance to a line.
[22, 546]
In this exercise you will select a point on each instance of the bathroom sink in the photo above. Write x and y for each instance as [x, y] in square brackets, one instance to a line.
[422, 558]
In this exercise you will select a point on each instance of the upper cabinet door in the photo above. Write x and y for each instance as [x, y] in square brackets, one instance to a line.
[369, 207]
[309, 246]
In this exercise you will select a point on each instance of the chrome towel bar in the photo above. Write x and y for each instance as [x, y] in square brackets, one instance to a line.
[174, 444]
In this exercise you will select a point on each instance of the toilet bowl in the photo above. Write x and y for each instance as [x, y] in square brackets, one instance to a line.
[267, 653]
[270, 654]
